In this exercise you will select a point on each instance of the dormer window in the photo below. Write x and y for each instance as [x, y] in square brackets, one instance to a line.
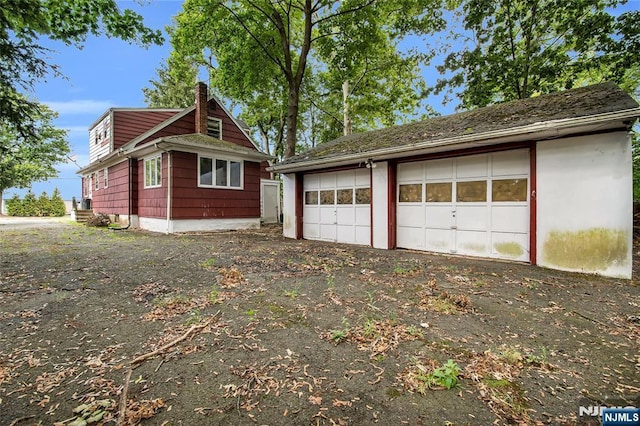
[214, 127]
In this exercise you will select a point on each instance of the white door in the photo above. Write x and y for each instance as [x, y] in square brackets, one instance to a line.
[474, 205]
[270, 200]
[337, 207]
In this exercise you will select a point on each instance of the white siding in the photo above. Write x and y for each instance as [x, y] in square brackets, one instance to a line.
[100, 132]
[585, 205]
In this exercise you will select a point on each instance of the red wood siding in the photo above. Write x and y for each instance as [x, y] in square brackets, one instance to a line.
[113, 199]
[187, 125]
[128, 125]
[152, 202]
[183, 126]
[191, 202]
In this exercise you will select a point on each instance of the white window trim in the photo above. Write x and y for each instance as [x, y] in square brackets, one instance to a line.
[97, 181]
[219, 124]
[147, 161]
[227, 159]
[105, 177]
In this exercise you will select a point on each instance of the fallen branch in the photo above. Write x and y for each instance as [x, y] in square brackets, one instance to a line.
[16, 421]
[122, 409]
[192, 330]
[590, 319]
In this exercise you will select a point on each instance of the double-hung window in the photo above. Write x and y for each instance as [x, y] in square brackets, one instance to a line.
[105, 177]
[153, 172]
[219, 173]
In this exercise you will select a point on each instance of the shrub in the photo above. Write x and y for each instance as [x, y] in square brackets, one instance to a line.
[41, 206]
[99, 219]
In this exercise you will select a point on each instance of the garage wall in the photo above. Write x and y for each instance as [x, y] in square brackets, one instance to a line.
[379, 203]
[289, 205]
[584, 204]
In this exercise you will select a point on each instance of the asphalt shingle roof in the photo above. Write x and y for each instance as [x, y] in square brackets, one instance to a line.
[575, 103]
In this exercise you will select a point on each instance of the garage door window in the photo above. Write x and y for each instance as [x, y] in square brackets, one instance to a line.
[363, 195]
[345, 196]
[469, 192]
[411, 193]
[439, 192]
[509, 190]
[311, 197]
[327, 197]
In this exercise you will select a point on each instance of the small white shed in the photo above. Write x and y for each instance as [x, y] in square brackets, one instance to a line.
[545, 180]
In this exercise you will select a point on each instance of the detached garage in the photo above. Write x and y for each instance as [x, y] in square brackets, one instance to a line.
[545, 180]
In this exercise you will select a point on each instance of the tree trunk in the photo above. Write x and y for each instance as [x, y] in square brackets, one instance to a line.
[292, 121]
[1, 201]
[348, 129]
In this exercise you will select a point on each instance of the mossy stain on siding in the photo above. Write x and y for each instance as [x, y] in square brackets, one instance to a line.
[509, 249]
[594, 249]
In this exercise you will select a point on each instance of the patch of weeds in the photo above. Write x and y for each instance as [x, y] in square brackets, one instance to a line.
[509, 398]
[415, 331]
[194, 317]
[331, 283]
[393, 392]
[207, 264]
[447, 303]
[538, 360]
[250, 312]
[293, 293]
[369, 328]
[511, 355]
[403, 271]
[421, 377]
[214, 295]
[171, 301]
[340, 335]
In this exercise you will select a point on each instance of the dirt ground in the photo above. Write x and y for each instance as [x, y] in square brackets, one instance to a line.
[238, 328]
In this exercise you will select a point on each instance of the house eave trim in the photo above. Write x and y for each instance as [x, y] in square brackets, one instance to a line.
[542, 130]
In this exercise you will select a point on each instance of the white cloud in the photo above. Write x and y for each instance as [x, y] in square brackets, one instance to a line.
[79, 106]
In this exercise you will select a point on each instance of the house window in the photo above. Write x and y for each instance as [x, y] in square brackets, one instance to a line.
[214, 127]
[105, 177]
[153, 172]
[219, 173]
[96, 180]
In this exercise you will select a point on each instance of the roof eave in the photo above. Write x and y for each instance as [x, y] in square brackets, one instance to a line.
[542, 130]
[186, 146]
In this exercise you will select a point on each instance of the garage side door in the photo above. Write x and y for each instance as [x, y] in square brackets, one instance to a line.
[337, 207]
[475, 205]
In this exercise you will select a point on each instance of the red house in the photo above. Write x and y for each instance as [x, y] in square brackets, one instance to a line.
[178, 170]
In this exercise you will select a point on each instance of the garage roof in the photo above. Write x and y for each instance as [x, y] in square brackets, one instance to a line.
[531, 117]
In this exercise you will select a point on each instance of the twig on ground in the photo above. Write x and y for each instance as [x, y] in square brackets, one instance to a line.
[16, 421]
[123, 396]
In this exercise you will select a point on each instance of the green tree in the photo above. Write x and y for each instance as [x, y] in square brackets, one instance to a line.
[174, 85]
[30, 158]
[56, 204]
[29, 204]
[269, 45]
[23, 60]
[42, 205]
[514, 49]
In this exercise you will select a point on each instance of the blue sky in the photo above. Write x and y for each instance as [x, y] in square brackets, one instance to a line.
[105, 73]
[111, 73]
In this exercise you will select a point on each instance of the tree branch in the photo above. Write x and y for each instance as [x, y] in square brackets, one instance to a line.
[343, 12]
[254, 37]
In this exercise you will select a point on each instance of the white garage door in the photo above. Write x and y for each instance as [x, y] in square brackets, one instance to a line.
[475, 205]
[337, 207]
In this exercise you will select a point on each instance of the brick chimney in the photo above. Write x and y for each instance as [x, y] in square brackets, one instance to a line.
[201, 108]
